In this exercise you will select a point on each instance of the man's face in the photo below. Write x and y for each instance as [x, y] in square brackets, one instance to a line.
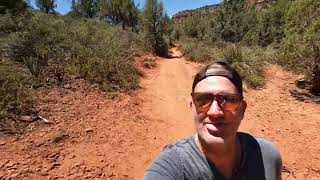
[218, 124]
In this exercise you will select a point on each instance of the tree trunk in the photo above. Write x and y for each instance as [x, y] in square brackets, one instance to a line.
[316, 71]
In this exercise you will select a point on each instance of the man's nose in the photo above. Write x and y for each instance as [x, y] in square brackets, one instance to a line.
[215, 110]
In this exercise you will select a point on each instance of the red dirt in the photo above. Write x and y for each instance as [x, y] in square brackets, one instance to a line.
[117, 138]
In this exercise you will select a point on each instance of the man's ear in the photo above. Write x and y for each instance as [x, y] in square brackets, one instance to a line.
[243, 108]
[244, 105]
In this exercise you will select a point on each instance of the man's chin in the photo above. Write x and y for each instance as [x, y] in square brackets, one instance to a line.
[211, 139]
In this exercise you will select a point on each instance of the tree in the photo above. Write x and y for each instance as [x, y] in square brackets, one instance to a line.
[75, 9]
[168, 25]
[272, 22]
[119, 11]
[12, 6]
[312, 38]
[234, 20]
[154, 26]
[302, 38]
[271, 26]
[195, 26]
[86, 8]
[46, 6]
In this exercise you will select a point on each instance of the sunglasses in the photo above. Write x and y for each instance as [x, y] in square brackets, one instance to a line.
[227, 102]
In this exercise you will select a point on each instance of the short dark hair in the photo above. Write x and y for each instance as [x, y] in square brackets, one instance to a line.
[219, 69]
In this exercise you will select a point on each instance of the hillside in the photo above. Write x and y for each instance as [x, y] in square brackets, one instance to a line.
[212, 10]
[203, 11]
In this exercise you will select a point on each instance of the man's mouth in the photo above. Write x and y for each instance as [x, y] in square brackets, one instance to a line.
[213, 127]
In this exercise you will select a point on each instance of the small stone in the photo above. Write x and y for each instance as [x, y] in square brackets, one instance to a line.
[26, 119]
[24, 170]
[10, 164]
[14, 175]
[2, 143]
[89, 130]
[2, 164]
[67, 86]
[89, 176]
[44, 173]
[52, 166]
[59, 136]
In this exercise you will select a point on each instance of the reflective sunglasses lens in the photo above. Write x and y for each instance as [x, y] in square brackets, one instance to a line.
[228, 102]
[203, 100]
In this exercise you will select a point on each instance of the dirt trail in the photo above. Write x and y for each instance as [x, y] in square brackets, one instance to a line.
[105, 138]
[167, 97]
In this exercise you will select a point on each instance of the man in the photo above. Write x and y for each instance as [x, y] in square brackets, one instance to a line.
[217, 150]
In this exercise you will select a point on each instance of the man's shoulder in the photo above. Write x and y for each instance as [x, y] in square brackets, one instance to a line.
[176, 161]
[182, 150]
[262, 143]
[263, 149]
[181, 144]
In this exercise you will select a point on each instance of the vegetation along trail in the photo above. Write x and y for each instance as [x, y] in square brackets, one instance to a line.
[90, 135]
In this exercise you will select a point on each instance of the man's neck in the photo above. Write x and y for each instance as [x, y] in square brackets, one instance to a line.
[225, 157]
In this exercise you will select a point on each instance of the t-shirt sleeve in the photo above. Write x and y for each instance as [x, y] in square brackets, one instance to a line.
[272, 160]
[167, 166]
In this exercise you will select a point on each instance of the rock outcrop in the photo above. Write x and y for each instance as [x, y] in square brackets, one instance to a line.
[212, 10]
[202, 11]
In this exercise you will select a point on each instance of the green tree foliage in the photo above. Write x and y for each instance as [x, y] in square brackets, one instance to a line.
[300, 16]
[272, 21]
[75, 9]
[85, 8]
[168, 25]
[119, 11]
[234, 20]
[301, 44]
[155, 25]
[195, 26]
[46, 6]
[270, 28]
[176, 32]
[313, 39]
[13, 6]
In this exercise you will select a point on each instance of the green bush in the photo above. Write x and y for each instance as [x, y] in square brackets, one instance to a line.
[176, 33]
[103, 55]
[197, 51]
[16, 98]
[155, 24]
[195, 27]
[247, 61]
[248, 66]
[38, 43]
[53, 48]
[299, 46]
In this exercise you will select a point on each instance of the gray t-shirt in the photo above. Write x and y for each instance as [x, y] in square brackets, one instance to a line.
[260, 160]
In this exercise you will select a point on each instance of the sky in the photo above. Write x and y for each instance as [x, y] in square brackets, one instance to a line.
[171, 6]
